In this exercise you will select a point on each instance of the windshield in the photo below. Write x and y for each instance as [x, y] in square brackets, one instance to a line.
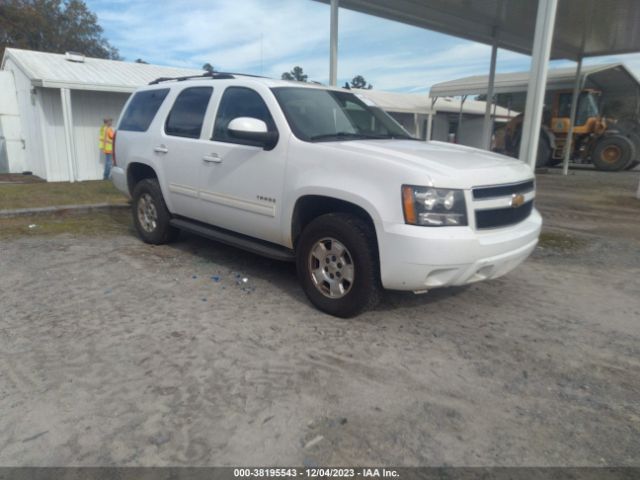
[317, 115]
[587, 108]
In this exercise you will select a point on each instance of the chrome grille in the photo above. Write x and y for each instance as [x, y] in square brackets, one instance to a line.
[502, 190]
[493, 205]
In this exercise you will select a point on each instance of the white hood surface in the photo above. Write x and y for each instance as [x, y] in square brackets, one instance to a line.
[446, 164]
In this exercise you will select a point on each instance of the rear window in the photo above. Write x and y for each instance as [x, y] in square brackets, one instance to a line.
[141, 110]
[187, 113]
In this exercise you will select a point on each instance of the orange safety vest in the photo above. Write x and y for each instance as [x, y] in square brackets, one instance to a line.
[108, 140]
[103, 130]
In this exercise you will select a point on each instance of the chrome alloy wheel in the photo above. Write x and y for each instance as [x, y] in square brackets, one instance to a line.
[331, 268]
[147, 214]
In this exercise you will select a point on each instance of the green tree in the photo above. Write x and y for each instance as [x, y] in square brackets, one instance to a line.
[208, 67]
[53, 26]
[139, 60]
[296, 74]
[359, 82]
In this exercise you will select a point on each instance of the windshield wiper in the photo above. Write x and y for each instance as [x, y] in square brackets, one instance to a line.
[339, 135]
[355, 136]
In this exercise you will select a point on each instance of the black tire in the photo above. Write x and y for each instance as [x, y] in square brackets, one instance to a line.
[635, 139]
[359, 240]
[632, 165]
[613, 153]
[544, 153]
[152, 230]
[554, 162]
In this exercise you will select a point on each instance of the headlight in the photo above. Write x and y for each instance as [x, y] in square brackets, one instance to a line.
[433, 207]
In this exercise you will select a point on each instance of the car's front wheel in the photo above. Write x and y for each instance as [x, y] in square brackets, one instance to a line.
[150, 214]
[337, 262]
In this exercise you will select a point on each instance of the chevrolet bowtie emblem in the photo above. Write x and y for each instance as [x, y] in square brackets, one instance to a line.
[517, 200]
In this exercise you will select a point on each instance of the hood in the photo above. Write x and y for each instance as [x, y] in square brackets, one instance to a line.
[445, 164]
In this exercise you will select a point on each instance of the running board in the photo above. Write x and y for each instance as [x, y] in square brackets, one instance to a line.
[260, 247]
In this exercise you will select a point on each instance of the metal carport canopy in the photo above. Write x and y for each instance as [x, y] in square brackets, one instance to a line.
[613, 76]
[583, 28]
[545, 29]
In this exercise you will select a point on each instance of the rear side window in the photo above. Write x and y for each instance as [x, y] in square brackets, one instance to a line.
[240, 102]
[141, 110]
[187, 114]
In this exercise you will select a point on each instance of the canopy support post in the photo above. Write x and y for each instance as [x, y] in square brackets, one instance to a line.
[545, 21]
[568, 145]
[333, 44]
[464, 98]
[487, 126]
[429, 126]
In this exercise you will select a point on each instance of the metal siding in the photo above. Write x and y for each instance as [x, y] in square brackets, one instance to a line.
[11, 139]
[53, 131]
[89, 109]
[29, 121]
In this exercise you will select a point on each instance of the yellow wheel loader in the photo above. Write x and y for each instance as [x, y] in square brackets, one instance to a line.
[608, 144]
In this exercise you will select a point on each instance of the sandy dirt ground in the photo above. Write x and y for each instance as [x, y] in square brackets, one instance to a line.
[114, 352]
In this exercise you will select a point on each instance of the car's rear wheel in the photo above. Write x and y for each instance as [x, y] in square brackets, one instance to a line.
[150, 214]
[337, 263]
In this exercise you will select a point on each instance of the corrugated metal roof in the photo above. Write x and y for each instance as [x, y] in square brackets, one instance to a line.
[421, 103]
[54, 70]
[397, 102]
[612, 75]
[470, 106]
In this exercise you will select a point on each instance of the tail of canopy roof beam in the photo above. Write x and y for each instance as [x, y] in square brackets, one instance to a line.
[611, 27]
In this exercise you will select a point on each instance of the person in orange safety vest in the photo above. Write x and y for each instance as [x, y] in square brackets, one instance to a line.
[105, 144]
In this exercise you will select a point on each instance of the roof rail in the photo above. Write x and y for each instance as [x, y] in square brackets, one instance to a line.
[245, 75]
[213, 75]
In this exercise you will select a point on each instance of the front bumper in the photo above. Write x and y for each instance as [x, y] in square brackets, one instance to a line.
[420, 258]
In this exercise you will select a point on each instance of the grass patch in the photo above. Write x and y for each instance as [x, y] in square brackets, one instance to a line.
[49, 194]
[115, 222]
[560, 241]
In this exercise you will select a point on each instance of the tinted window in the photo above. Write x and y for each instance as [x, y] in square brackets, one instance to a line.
[187, 113]
[141, 110]
[239, 102]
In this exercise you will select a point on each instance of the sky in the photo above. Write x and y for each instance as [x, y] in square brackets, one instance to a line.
[269, 37]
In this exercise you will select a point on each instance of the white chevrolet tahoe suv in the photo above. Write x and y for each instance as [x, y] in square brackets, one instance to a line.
[322, 177]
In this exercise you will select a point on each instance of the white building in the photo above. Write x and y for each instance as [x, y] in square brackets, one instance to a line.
[52, 107]
[437, 118]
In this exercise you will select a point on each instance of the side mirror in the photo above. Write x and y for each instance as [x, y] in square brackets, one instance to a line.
[253, 131]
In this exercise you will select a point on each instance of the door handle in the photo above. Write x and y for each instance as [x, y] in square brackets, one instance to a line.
[212, 158]
[161, 149]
